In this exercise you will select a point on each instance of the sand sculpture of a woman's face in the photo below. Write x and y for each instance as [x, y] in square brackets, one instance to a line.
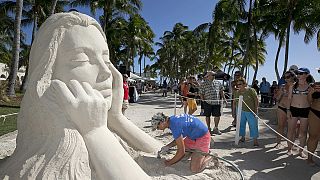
[73, 99]
[84, 56]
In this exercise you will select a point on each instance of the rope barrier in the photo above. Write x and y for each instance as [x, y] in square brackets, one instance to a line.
[238, 123]
[234, 166]
[279, 133]
[218, 100]
[5, 115]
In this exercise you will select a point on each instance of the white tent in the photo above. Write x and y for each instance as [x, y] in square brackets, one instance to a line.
[131, 80]
[134, 76]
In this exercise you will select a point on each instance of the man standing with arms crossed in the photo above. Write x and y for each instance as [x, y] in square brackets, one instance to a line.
[211, 93]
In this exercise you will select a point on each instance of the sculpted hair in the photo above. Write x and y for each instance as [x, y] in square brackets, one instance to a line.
[56, 141]
[41, 64]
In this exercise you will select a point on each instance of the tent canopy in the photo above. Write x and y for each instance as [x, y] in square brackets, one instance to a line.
[134, 76]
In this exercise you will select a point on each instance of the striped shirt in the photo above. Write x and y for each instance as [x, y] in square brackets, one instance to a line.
[211, 91]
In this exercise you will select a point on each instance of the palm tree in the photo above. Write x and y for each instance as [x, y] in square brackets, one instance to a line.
[16, 48]
[53, 7]
[6, 34]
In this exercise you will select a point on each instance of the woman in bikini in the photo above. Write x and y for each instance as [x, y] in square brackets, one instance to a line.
[314, 120]
[299, 109]
[282, 99]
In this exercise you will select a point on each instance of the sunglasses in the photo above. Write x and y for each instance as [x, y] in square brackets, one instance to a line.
[287, 77]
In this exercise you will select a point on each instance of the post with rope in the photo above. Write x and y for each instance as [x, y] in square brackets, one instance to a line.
[239, 109]
[175, 103]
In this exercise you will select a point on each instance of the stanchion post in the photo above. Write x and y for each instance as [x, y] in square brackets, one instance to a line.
[175, 103]
[239, 109]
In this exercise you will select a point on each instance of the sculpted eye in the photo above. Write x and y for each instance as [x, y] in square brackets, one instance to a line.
[80, 57]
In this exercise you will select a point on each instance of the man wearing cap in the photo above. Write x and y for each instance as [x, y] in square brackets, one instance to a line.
[211, 92]
[189, 133]
[125, 103]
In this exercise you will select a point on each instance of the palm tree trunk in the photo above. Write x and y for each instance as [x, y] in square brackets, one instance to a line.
[290, 7]
[107, 13]
[286, 59]
[140, 62]
[277, 57]
[34, 30]
[132, 58]
[245, 59]
[256, 54]
[53, 7]
[144, 66]
[231, 58]
[16, 49]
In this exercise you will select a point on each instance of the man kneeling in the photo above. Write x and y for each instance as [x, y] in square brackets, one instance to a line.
[190, 134]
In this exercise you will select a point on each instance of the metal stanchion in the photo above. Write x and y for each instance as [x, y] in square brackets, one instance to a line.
[236, 139]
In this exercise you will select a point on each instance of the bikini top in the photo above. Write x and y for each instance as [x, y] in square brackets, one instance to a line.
[301, 92]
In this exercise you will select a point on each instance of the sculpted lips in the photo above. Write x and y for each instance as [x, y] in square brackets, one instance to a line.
[105, 88]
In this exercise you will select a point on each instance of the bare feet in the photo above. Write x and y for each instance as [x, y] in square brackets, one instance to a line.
[206, 161]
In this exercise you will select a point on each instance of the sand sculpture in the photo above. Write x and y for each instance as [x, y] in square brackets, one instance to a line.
[71, 107]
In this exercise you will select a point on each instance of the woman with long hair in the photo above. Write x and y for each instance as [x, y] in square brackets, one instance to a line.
[282, 101]
[73, 99]
[298, 109]
[314, 121]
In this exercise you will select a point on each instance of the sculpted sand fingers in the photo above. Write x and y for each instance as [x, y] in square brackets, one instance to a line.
[72, 102]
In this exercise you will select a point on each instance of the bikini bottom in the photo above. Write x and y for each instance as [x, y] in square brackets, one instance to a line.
[283, 109]
[299, 112]
[316, 112]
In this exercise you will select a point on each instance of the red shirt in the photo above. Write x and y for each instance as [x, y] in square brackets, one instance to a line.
[126, 90]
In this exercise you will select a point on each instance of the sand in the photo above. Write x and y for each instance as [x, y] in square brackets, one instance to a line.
[264, 162]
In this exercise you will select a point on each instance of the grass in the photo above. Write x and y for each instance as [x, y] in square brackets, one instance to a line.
[9, 123]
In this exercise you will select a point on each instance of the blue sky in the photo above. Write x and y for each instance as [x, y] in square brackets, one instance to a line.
[162, 15]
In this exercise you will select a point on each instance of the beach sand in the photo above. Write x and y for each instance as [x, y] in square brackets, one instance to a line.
[264, 162]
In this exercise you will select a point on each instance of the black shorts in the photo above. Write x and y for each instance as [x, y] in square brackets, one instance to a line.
[299, 112]
[214, 110]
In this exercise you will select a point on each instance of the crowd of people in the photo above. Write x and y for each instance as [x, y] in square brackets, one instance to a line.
[298, 103]
[296, 96]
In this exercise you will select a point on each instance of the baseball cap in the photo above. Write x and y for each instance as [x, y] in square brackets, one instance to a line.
[156, 119]
[293, 68]
[304, 70]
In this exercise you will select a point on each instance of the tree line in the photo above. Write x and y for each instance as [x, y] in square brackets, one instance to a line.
[234, 39]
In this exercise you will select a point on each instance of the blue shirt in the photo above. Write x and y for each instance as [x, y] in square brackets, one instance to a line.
[281, 81]
[264, 87]
[187, 126]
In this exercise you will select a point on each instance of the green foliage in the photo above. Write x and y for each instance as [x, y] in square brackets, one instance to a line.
[9, 106]
[9, 123]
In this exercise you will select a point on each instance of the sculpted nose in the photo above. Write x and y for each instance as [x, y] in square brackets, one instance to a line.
[104, 73]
